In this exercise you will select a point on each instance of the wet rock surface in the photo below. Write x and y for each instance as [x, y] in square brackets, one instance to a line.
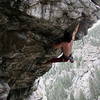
[25, 41]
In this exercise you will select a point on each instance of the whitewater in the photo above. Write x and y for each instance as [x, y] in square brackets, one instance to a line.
[77, 81]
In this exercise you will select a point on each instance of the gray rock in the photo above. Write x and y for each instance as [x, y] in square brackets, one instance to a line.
[25, 41]
[4, 90]
[97, 2]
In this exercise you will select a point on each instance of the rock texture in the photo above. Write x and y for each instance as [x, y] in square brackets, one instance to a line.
[97, 2]
[25, 41]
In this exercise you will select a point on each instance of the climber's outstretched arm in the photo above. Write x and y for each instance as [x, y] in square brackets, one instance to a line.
[75, 31]
[57, 46]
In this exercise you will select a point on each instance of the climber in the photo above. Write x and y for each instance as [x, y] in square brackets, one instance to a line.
[66, 46]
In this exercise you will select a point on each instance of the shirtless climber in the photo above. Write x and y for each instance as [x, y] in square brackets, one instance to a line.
[66, 46]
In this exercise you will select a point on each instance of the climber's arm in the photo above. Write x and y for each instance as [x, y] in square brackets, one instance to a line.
[75, 31]
[57, 46]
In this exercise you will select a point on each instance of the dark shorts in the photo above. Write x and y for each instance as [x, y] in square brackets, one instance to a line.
[70, 57]
[66, 57]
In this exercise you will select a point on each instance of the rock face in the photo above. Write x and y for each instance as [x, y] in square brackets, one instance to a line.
[25, 41]
[97, 2]
[4, 90]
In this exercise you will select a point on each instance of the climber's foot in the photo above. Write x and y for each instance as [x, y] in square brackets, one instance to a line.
[71, 59]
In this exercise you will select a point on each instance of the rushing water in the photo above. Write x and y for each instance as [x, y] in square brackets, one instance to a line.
[77, 81]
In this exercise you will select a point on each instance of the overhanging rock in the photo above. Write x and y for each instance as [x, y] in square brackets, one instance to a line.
[26, 41]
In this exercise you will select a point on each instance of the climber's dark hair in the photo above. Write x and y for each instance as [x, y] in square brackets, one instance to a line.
[67, 36]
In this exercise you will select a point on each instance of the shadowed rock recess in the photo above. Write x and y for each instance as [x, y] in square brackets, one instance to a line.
[25, 40]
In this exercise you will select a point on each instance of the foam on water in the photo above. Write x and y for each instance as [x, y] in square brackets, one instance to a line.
[77, 81]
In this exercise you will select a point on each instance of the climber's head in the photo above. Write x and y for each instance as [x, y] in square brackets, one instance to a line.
[67, 36]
